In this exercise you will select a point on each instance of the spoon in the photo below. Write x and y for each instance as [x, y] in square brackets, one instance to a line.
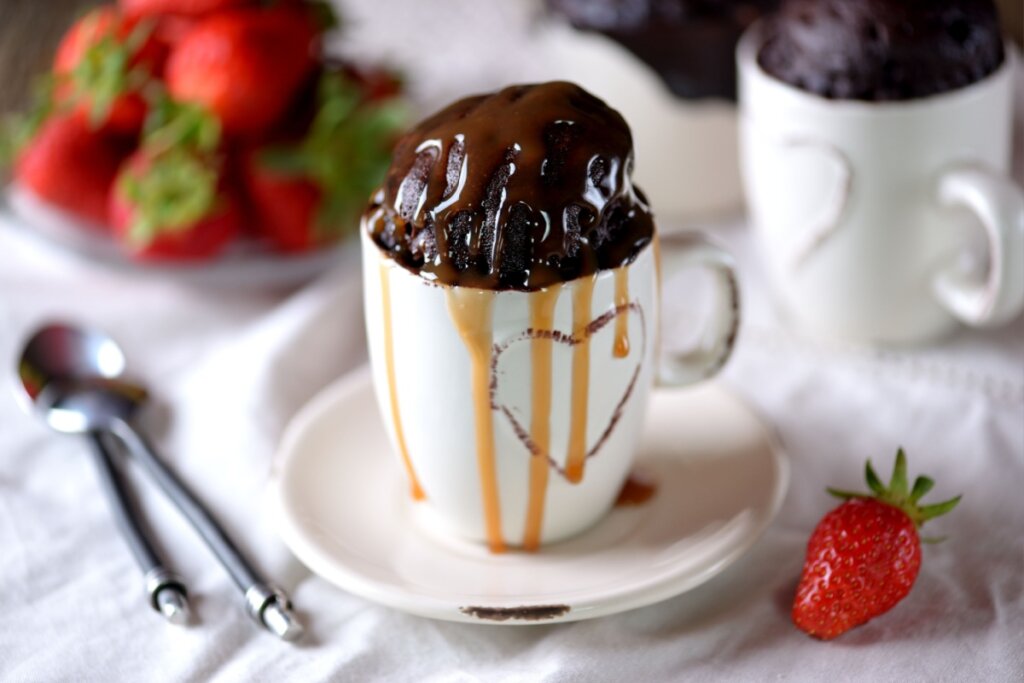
[74, 377]
[53, 361]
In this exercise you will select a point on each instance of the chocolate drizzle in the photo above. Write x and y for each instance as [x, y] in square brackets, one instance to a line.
[520, 189]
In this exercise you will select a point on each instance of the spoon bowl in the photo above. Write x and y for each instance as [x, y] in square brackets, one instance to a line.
[71, 377]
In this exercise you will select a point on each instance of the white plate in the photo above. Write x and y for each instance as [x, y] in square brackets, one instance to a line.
[244, 264]
[340, 502]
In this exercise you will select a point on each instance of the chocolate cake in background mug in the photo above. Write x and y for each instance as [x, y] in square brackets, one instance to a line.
[880, 49]
[512, 295]
[689, 43]
[669, 66]
[876, 143]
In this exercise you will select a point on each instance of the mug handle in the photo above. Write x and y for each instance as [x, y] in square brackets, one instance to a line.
[999, 206]
[688, 250]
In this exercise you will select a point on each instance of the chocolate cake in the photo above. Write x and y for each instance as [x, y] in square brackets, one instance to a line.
[519, 189]
[689, 43]
[882, 49]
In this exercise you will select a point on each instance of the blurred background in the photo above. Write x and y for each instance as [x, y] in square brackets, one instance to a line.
[398, 29]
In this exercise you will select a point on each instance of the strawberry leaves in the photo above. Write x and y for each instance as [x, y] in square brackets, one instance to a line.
[170, 194]
[345, 152]
[17, 130]
[178, 184]
[106, 70]
[898, 494]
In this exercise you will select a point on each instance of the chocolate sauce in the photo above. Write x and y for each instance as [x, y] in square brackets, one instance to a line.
[689, 43]
[520, 189]
[882, 49]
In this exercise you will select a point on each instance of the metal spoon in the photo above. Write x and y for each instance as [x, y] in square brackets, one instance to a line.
[80, 390]
[52, 363]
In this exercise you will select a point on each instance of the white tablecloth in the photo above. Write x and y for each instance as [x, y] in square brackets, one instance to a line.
[233, 366]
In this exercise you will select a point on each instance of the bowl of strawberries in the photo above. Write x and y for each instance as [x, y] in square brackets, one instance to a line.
[202, 136]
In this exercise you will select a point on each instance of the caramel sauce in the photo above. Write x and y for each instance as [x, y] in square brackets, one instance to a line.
[621, 346]
[635, 491]
[582, 297]
[389, 362]
[471, 311]
[542, 317]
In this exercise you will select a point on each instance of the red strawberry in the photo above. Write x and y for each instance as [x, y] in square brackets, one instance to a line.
[102, 64]
[244, 66]
[285, 206]
[864, 555]
[376, 83]
[71, 166]
[308, 193]
[192, 8]
[173, 205]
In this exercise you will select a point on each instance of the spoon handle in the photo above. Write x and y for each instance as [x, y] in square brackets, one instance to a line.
[167, 593]
[268, 605]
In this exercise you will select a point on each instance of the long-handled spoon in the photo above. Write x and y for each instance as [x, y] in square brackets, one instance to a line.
[47, 367]
[82, 392]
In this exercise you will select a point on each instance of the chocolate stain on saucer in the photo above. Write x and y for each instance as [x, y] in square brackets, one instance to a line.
[523, 613]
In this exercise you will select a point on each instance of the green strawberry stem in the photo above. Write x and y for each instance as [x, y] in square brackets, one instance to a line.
[897, 493]
[105, 72]
[176, 190]
[179, 185]
[345, 153]
[17, 130]
[172, 124]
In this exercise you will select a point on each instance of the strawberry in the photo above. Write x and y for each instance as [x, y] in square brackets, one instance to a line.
[864, 555]
[173, 206]
[101, 66]
[376, 83]
[245, 66]
[171, 199]
[308, 193]
[190, 8]
[71, 166]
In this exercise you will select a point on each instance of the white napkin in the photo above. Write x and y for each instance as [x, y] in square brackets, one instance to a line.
[231, 367]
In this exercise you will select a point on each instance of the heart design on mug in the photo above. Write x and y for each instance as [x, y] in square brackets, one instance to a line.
[561, 340]
[822, 227]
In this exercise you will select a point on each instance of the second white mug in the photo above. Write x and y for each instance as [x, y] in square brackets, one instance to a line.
[863, 210]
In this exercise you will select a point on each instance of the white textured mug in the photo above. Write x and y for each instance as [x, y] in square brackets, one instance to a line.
[863, 210]
[517, 414]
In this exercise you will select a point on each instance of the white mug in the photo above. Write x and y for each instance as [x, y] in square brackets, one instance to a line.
[863, 210]
[516, 415]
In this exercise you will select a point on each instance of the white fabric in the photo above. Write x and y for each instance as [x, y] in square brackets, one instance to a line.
[233, 366]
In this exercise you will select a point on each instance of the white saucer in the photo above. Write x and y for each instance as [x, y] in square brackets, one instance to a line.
[341, 506]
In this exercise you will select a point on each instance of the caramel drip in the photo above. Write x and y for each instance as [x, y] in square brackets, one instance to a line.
[583, 295]
[471, 311]
[389, 362]
[635, 491]
[621, 347]
[542, 317]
